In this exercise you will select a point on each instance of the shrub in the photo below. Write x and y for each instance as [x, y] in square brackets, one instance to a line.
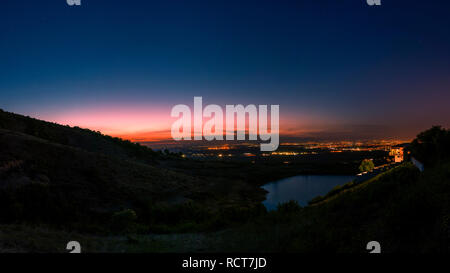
[316, 199]
[123, 220]
[366, 165]
[289, 207]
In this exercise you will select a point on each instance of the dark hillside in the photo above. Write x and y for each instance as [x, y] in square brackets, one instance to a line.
[79, 179]
[47, 182]
[405, 210]
[77, 137]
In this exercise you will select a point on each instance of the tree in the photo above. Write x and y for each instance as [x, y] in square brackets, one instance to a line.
[366, 165]
[432, 146]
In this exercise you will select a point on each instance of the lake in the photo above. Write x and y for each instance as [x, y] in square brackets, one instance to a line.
[302, 188]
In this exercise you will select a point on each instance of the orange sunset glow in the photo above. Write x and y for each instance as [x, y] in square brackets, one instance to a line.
[146, 124]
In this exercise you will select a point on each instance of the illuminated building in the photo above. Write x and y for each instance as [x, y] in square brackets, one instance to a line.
[397, 153]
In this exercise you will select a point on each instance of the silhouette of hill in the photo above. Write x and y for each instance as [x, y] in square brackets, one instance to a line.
[78, 179]
[85, 139]
[61, 175]
[59, 183]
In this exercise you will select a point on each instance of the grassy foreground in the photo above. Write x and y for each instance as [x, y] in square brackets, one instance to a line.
[59, 184]
[406, 211]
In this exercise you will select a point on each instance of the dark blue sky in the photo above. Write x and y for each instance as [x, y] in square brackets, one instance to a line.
[333, 66]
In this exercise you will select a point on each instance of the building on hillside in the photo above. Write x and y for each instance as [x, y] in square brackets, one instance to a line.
[398, 153]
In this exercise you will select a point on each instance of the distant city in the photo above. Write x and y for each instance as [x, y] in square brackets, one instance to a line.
[287, 150]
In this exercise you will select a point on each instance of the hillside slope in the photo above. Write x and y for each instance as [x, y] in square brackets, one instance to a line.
[75, 178]
[55, 182]
[404, 210]
[77, 137]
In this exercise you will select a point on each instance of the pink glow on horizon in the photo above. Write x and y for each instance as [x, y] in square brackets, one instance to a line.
[114, 120]
[149, 123]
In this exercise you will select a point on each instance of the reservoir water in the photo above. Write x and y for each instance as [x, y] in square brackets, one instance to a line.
[301, 188]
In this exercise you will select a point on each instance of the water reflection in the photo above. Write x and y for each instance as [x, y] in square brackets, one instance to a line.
[301, 188]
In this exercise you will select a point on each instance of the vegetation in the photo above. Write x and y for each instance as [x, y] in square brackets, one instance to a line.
[405, 210]
[58, 182]
[432, 146]
[366, 166]
[80, 180]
